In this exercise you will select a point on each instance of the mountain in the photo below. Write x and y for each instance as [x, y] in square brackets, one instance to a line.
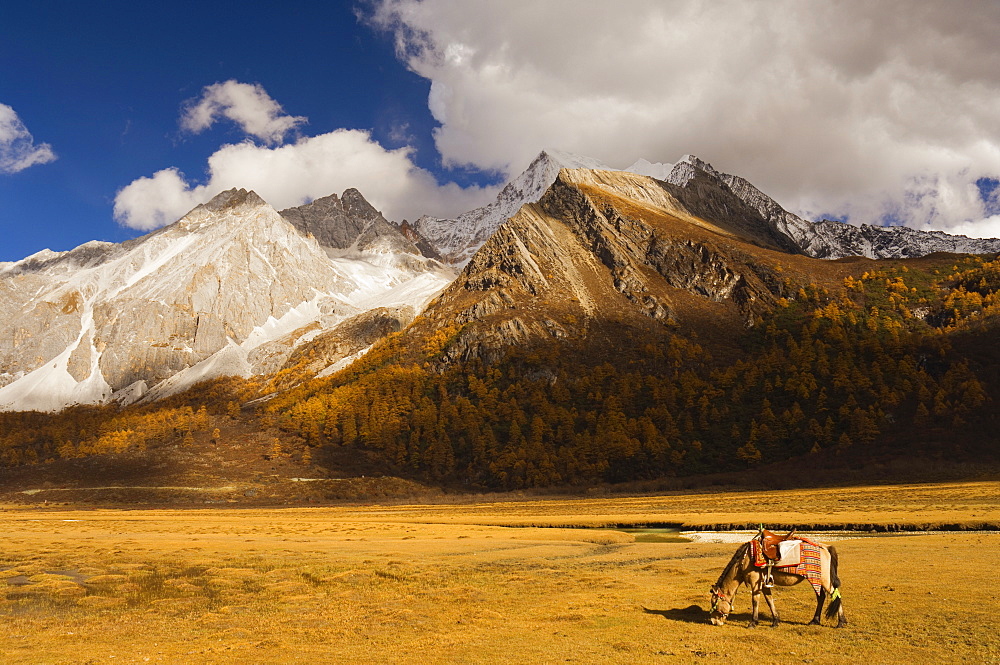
[230, 289]
[236, 287]
[625, 327]
[620, 327]
[349, 224]
[604, 247]
[456, 240]
[825, 239]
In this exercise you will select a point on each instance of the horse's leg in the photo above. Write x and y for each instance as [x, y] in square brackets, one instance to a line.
[770, 606]
[833, 586]
[820, 599]
[841, 619]
[754, 602]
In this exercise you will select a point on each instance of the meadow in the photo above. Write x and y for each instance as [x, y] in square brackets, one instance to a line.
[505, 581]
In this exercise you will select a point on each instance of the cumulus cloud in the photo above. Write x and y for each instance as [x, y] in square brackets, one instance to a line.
[18, 150]
[296, 173]
[291, 174]
[877, 111]
[988, 227]
[248, 105]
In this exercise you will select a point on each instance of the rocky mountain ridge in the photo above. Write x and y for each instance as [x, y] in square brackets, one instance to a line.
[455, 240]
[602, 246]
[834, 240]
[348, 223]
[231, 288]
[236, 288]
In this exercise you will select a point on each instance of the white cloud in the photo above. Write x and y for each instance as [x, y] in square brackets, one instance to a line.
[18, 150]
[857, 108]
[296, 173]
[248, 105]
[149, 203]
[983, 228]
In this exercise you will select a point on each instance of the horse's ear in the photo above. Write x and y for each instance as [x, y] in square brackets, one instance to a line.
[790, 534]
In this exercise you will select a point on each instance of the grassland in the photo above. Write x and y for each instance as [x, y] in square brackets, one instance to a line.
[498, 582]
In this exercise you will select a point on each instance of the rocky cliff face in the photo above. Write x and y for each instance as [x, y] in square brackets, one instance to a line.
[826, 239]
[203, 297]
[147, 309]
[456, 240]
[411, 233]
[725, 199]
[349, 223]
[604, 247]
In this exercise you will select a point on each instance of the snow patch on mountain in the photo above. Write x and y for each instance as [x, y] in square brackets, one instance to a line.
[456, 240]
[187, 302]
[342, 363]
[52, 386]
[231, 360]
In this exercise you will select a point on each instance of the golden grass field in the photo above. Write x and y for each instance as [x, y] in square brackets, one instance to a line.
[487, 583]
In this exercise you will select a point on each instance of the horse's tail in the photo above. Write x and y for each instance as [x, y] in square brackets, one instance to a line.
[834, 607]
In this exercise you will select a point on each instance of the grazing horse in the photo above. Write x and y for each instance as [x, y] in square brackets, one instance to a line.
[741, 570]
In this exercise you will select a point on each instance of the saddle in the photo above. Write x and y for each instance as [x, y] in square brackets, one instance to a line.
[769, 543]
[766, 544]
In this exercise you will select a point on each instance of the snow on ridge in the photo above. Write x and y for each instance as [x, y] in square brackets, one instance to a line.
[458, 239]
[40, 256]
[190, 269]
[274, 328]
[416, 292]
[569, 160]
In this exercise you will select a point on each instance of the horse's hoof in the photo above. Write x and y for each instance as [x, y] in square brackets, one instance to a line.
[814, 622]
[752, 624]
[774, 624]
[841, 624]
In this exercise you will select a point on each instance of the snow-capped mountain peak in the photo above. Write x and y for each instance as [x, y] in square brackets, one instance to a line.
[569, 160]
[456, 240]
[230, 276]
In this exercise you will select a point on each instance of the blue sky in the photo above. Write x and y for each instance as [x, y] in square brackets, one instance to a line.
[103, 83]
[860, 111]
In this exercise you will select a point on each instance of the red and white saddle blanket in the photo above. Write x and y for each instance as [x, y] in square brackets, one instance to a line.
[799, 557]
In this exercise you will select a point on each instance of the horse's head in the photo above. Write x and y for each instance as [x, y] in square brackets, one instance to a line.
[722, 605]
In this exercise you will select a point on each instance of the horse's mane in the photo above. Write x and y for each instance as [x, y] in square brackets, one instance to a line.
[737, 557]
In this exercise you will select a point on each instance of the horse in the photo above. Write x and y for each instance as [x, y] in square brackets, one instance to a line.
[741, 570]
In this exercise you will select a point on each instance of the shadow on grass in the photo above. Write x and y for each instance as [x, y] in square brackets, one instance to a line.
[696, 614]
[690, 614]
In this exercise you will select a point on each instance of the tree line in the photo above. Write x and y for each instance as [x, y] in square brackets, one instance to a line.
[830, 368]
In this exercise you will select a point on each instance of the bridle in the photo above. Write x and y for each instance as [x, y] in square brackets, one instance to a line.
[718, 596]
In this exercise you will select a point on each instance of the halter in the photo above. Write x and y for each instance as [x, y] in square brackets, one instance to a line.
[717, 595]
